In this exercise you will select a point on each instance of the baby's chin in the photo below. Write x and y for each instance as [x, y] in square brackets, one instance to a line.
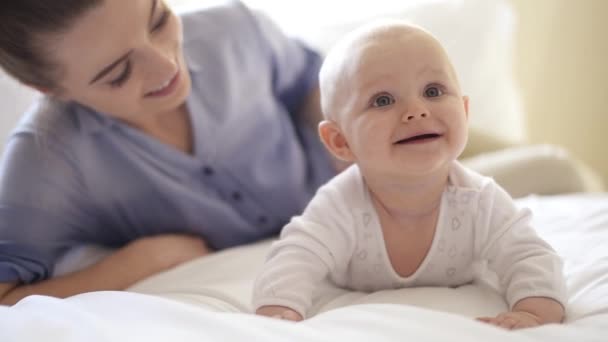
[404, 172]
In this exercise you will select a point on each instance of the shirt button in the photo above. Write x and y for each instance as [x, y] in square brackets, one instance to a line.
[208, 171]
[237, 196]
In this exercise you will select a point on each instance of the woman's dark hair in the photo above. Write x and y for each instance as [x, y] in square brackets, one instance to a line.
[25, 26]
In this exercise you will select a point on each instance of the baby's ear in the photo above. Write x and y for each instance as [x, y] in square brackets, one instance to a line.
[465, 101]
[334, 140]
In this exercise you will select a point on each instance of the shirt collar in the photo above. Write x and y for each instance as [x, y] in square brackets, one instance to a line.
[192, 58]
[91, 121]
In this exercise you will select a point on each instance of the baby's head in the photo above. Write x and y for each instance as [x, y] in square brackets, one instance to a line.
[392, 101]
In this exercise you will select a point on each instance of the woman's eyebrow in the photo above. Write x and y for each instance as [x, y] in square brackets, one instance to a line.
[110, 67]
[153, 9]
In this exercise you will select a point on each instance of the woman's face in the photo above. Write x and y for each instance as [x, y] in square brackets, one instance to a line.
[124, 59]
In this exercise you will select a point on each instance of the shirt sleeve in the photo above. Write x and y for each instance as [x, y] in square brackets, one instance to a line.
[41, 201]
[295, 73]
[311, 246]
[295, 66]
[526, 265]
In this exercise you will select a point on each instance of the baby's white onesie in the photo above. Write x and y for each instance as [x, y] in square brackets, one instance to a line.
[339, 236]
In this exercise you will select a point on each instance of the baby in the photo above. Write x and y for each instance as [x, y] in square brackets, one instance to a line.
[406, 213]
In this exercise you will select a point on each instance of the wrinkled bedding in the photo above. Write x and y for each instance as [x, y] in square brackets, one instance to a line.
[208, 299]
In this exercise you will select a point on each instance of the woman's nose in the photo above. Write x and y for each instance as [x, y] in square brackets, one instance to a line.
[159, 61]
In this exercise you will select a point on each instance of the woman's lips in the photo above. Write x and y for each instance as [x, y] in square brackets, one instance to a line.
[167, 88]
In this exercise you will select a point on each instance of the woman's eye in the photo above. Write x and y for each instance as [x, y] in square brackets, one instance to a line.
[383, 100]
[124, 76]
[433, 92]
[162, 21]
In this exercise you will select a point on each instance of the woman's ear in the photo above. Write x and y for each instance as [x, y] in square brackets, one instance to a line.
[334, 141]
[41, 89]
[56, 93]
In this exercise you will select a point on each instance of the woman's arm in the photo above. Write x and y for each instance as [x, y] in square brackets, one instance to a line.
[6, 288]
[130, 264]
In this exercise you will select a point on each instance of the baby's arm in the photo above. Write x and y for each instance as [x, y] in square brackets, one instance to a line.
[306, 253]
[290, 274]
[529, 270]
[280, 312]
[311, 246]
[548, 310]
[529, 312]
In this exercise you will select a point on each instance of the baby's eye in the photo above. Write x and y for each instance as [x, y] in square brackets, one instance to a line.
[383, 100]
[433, 92]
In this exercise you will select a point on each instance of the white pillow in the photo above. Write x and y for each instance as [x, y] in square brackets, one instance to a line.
[536, 169]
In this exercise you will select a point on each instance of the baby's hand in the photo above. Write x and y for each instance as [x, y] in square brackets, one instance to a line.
[280, 312]
[513, 320]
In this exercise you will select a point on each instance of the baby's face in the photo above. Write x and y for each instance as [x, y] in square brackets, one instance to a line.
[401, 108]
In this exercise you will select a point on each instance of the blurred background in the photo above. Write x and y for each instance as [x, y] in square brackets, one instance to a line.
[536, 71]
[558, 55]
[561, 65]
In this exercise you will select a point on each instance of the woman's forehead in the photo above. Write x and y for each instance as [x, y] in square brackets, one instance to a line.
[101, 35]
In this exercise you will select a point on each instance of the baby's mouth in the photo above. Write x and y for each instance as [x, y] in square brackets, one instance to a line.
[419, 138]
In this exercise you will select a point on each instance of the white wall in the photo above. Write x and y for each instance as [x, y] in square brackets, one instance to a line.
[562, 68]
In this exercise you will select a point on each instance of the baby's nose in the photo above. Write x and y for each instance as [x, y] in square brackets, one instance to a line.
[421, 115]
[416, 109]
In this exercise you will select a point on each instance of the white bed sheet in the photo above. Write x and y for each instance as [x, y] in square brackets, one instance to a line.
[206, 299]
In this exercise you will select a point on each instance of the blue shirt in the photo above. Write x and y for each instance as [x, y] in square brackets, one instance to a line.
[71, 175]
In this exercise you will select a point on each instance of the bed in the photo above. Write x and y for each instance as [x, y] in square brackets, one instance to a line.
[208, 299]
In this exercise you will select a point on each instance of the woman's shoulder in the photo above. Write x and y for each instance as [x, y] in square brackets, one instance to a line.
[216, 20]
[48, 123]
[224, 31]
[46, 117]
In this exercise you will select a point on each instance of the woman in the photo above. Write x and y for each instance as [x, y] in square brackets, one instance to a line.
[160, 136]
